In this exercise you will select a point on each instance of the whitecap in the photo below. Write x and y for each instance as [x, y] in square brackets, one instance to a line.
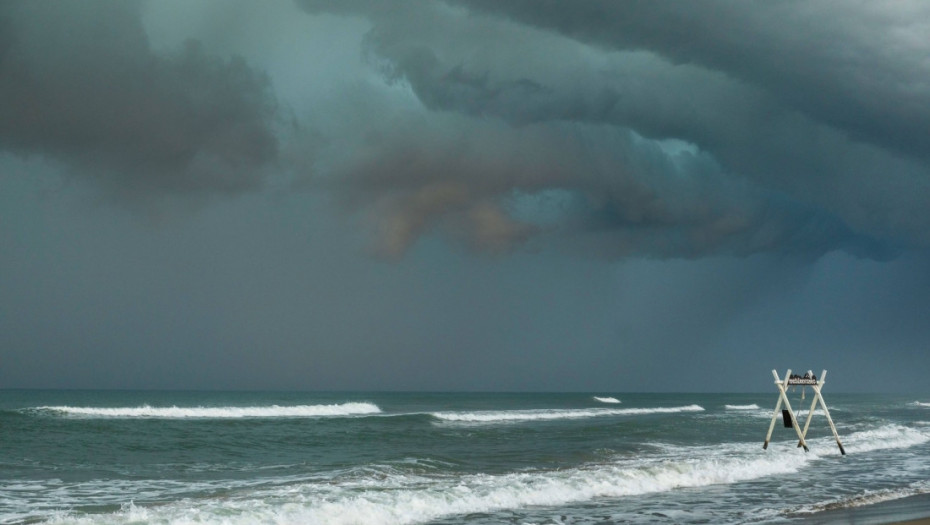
[606, 399]
[505, 416]
[227, 412]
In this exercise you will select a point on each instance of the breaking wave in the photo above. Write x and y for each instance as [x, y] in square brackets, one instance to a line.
[606, 399]
[230, 412]
[919, 404]
[888, 436]
[742, 407]
[506, 416]
[395, 497]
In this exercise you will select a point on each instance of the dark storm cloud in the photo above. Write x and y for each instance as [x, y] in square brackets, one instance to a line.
[584, 140]
[618, 129]
[735, 130]
[80, 84]
[490, 185]
[858, 66]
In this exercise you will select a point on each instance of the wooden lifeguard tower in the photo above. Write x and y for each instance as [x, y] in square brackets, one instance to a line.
[808, 379]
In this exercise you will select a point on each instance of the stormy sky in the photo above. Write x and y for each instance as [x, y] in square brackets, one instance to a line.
[464, 195]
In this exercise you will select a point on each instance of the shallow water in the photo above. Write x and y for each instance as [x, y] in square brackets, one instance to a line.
[605, 457]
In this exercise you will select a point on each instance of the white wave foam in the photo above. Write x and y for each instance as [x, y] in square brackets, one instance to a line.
[919, 404]
[882, 438]
[404, 499]
[888, 436]
[606, 399]
[742, 407]
[407, 500]
[504, 416]
[175, 412]
[393, 497]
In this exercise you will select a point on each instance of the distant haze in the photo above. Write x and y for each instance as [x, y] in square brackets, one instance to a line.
[524, 195]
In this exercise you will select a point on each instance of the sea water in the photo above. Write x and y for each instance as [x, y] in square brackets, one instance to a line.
[404, 458]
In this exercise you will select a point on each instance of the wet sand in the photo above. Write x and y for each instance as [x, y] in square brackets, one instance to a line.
[914, 510]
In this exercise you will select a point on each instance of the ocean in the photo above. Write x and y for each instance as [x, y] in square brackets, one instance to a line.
[115, 457]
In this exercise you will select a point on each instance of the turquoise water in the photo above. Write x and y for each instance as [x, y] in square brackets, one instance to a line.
[370, 458]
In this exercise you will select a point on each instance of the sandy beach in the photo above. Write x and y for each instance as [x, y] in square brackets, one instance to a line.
[914, 510]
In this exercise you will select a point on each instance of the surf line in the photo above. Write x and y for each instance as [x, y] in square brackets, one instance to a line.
[226, 412]
[508, 416]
